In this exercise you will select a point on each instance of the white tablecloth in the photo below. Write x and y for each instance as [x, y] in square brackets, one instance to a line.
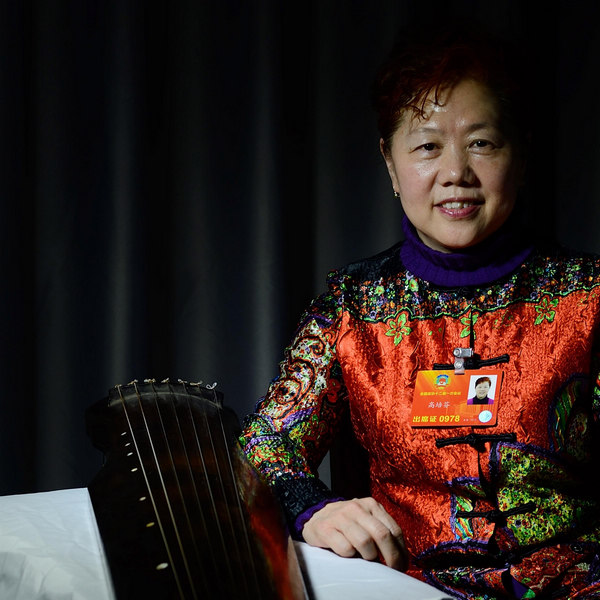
[50, 549]
[333, 578]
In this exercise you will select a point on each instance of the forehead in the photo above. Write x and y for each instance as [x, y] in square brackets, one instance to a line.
[468, 104]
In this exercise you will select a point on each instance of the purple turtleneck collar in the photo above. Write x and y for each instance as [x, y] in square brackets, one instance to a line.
[496, 257]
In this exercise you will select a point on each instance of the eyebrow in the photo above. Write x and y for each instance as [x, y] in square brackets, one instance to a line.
[470, 129]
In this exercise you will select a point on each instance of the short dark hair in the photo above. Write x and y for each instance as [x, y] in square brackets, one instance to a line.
[483, 380]
[424, 64]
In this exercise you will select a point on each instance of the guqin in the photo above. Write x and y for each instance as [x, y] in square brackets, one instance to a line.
[182, 515]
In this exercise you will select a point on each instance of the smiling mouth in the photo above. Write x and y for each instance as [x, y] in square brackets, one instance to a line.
[453, 205]
[457, 209]
[458, 204]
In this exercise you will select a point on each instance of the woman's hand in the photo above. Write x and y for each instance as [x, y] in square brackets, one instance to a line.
[360, 526]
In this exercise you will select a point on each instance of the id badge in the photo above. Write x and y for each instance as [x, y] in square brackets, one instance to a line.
[445, 399]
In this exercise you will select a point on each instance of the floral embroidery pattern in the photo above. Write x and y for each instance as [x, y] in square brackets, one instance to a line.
[545, 310]
[541, 282]
[469, 323]
[505, 320]
[398, 328]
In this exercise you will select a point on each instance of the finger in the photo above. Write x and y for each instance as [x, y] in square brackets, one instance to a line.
[386, 534]
[359, 526]
[342, 545]
[392, 548]
[382, 515]
[373, 533]
[361, 539]
[341, 528]
[381, 541]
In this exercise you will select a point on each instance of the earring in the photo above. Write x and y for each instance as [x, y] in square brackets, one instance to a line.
[396, 194]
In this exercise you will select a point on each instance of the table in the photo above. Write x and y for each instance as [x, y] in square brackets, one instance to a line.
[50, 549]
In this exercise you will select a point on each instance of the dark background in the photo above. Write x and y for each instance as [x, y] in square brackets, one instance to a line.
[177, 179]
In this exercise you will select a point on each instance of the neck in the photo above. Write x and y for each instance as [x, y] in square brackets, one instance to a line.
[496, 257]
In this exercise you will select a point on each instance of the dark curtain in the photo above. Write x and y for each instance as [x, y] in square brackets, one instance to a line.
[178, 178]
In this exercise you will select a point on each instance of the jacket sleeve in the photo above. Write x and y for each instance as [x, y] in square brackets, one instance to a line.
[293, 425]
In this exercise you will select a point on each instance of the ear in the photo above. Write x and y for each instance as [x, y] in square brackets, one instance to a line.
[387, 156]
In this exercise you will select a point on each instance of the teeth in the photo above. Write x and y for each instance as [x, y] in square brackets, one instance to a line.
[453, 205]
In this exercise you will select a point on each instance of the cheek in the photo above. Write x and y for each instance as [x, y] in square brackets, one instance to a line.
[504, 179]
[414, 181]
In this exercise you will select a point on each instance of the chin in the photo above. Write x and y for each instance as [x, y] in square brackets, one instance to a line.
[460, 242]
[452, 246]
[453, 242]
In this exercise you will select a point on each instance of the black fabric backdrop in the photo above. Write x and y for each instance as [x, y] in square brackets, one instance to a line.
[178, 177]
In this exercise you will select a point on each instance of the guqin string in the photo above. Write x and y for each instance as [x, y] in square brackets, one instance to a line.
[149, 487]
[192, 509]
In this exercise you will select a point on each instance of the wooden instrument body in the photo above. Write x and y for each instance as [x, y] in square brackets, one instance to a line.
[181, 513]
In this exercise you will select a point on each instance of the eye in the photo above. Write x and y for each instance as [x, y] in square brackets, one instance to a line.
[485, 145]
[428, 147]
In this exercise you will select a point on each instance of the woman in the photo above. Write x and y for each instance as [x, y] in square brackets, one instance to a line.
[482, 389]
[497, 511]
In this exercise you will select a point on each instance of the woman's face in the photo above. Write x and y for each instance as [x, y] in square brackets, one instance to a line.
[481, 390]
[457, 172]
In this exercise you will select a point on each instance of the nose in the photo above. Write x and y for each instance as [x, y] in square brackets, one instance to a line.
[455, 168]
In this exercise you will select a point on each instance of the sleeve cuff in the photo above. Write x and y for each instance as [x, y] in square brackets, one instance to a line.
[300, 495]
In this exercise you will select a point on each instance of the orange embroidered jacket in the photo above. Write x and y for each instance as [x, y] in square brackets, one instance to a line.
[480, 507]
